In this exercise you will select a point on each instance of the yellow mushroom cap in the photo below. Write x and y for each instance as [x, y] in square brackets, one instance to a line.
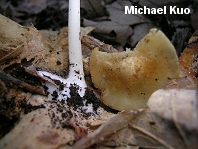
[127, 79]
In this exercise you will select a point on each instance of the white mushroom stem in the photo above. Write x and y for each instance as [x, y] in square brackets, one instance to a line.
[76, 73]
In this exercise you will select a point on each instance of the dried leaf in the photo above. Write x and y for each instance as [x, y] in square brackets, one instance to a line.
[173, 112]
[48, 50]
[92, 8]
[189, 59]
[32, 7]
[11, 107]
[89, 43]
[119, 27]
[85, 31]
[176, 20]
[10, 51]
[105, 130]
[116, 14]
[11, 32]
[110, 30]
[194, 16]
[153, 131]
[102, 118]
[80, 132]
[137, 128]
[140, 31]
[170, 104]
[27, 39]
[45, 127]
[54, 58]
[179, 39]
[3, 88]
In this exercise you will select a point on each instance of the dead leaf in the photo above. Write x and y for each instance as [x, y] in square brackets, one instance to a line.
[153, 131]
[85, 31]
[117, 14]
[45, 127]
[170, 104]
[32, 6]
[89, 43]
[189, 59]
[80, 131]
[140, 31]
[137, 128]
[13, 35]
[54, 58]
[118, 28]
[9, 52]
[92, 8]
[46, 49]
[102, 118]
[3, 88]
[179, 39]
[194, 16]
[171, 122]
[177, 19]
[105, 130]
[110, 30]
[11, 107]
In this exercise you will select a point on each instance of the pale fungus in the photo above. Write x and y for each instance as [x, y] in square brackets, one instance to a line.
[76, 73]
[127, 79]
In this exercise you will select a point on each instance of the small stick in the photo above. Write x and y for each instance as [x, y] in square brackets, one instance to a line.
[9, 79]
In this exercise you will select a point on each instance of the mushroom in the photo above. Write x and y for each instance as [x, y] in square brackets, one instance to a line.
[76, 73]
[127, 79]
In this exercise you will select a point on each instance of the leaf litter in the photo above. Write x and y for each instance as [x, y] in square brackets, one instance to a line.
[55, 125]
